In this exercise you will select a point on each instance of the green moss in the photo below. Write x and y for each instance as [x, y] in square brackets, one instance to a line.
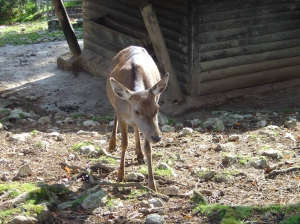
[78, 145]
[105, 159]
[156, 171]
[103, 118]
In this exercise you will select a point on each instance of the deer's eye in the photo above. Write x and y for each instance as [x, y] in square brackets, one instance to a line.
[136, 112]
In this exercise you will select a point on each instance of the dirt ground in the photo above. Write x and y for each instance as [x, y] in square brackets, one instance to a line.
[32, 71]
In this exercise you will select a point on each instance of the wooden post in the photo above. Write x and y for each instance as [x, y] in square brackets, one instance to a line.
[63, 18]
[160, 49]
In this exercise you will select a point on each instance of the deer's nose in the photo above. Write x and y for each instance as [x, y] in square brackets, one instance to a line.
[156, 138]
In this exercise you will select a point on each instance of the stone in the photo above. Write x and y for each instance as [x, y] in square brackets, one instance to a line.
[186, 131]
[220, 178]
[217, 138]
[156, 202]
[260, 164]
[25, 170]
[165, 166]
[215, 123]
[32, 98]
[135, 177]
[272, 153]
[195, 123]
[206, 174]
[291, 123]
[44, 120]
[21, 219]
[44, 215]
[261, 123]
[237, 116]
[18, 137]
[289, 136]
[233, 138]
[229, 159]
[145, 204]
[171, 190]
[162, 120]
[90, 123]
[167, 128]
[94, 200]
[219, 147]
[154, 219]
[87, 149]
[64, 205]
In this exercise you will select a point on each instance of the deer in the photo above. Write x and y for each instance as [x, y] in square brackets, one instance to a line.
[134, 86]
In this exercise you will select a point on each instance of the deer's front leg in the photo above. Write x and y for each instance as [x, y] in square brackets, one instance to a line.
[124, 145]
[113, 138]
[138, 150]
[148, 152]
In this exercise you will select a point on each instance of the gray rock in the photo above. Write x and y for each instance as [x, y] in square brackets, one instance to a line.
[4, 176]
[219, 147]
[1, 127]
[18, 137]
[145, 204]
[289, 136]
[135, 177]
[220, 178]
[171, 190]
[162, 120]
[3, 160]
[261, 123]
[44, 120]
[237, 116]
[229, 159]
[21, 219]
[25, 170]
[154, 219]
[90, 123]
[21, 198]
[32, 98]
[217, 138]
[291, 123]
[94, 200]
[272, 153]
[206, 174]
[64, 205]
[156, 202]
[167, 128]
[87, 149]
[44, 216]
[233, 138]
[195, 123]
[165, 166]
[216, 123]
[259, 164]
[186, 131]
[68, 120]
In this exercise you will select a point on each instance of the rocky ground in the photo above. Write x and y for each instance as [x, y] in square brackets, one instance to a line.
[232, 163]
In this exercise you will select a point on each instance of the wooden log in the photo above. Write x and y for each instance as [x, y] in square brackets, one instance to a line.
[109, 35]
[254, 79]
[247, 69]
[107, 50]
[248, 12]
[249, 49]
[249, 59]
[243, 32]
[160, 49]
[63, 18]
[248, 21]
[287, 35]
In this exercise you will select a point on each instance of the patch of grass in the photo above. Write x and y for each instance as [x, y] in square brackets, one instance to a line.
[34, 132]
[159, 172]
[77, 146]
[171, 121]
[224, 214]
[266, 147]
[105, 159]
[31, 32]
[103, 118]
[136, 193]
[75, 116]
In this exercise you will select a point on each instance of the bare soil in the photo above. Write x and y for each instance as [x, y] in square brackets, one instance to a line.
[31, 71]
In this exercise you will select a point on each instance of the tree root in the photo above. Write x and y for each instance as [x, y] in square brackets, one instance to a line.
[277, 172]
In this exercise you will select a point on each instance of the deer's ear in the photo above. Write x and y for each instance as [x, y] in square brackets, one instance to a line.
[120, 90]
[160, 87]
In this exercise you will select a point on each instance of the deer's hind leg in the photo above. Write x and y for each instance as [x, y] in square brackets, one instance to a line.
[113, 138]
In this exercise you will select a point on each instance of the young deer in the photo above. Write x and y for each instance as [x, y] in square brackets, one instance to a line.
[133, 88]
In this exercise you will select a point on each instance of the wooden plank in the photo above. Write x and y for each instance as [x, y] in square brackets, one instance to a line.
[95, 47]
[249, 59]
[172, 6]
[109, 35]
[253, 79]
[90, 14]
[179, 56]
[249, 49]
[243, 32]
[222, 6]
[170, 15]
[249, 21]
[179, 47]
[249, 12]
[248, 69]
[287, 35]
[180, 66]
[182, 77]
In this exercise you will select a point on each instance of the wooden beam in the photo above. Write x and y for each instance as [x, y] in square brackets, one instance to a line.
[63, 18]
[160, 49]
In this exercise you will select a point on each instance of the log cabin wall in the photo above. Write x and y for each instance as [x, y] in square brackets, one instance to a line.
[243, 43]
[111, 25]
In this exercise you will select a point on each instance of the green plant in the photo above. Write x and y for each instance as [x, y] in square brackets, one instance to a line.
[78, 145]
[103, 118]
[157, 171]
[105, 159]
[34, 132]
[171, 121]
[75, 116]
